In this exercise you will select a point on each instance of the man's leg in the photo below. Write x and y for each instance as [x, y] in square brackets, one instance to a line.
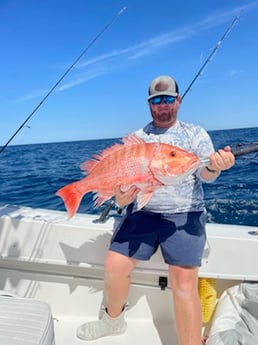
[184, 283]
[117, 282]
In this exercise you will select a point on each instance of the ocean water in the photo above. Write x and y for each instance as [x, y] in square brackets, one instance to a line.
[31, 174]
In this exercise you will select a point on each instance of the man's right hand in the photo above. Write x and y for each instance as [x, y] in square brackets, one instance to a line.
[124, 198]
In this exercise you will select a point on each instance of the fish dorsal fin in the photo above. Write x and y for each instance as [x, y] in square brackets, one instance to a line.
[132, 139]
[89, 165]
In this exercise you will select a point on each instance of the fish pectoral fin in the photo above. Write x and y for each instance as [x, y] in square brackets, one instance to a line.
[157, 172]
[169, 180]
[165, 178]
[143, 198]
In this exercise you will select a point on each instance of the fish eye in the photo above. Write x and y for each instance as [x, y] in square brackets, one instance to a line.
[173, 153]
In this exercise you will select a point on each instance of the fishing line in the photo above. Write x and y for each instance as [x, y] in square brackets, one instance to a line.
[101, 32]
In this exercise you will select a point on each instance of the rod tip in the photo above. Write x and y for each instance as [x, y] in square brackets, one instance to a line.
[122, 10]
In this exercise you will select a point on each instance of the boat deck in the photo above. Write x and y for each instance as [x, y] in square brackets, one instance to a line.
[75, 300]
[139, 331]
[45, 256]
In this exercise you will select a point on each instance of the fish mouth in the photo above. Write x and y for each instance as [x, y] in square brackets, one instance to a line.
[192, 165]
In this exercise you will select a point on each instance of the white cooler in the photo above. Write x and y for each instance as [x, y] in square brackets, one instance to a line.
[25, 321]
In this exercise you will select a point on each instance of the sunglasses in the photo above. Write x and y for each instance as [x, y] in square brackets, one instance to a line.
[158, 99]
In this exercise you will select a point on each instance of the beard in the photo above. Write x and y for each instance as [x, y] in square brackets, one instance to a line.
[164, 118]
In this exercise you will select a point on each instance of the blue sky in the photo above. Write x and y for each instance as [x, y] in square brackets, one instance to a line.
[104, 95]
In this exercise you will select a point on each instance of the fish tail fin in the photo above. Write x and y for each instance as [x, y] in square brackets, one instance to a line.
[71, 197]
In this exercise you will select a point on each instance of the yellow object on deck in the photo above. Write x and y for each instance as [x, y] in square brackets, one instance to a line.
[208, 297]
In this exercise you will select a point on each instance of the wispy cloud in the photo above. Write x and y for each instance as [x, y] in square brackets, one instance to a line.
[33, 94]
[235, 74]
[114, 60]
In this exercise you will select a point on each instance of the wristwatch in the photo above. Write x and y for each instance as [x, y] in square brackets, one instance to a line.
[211, 170]
[119, 208]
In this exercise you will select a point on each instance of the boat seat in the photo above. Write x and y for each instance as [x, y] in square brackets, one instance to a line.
[24, 321]
[236, 317]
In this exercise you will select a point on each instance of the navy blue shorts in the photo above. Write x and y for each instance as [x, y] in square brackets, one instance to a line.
[181, 237]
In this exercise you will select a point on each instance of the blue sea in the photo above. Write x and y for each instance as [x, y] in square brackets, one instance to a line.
[31, 174]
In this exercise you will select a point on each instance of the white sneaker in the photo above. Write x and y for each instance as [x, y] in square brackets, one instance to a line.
[107, 325]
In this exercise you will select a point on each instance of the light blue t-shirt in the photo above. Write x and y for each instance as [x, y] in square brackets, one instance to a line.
[188, 195]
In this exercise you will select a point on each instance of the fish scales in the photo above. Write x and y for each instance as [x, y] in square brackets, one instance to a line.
[130, 161]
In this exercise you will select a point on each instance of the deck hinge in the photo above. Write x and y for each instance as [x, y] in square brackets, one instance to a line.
[163, 283]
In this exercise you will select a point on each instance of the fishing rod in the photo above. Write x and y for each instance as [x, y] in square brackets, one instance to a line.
[244, 149]
[101, 32]
[238, 150]
[106, 211]
[213, 52]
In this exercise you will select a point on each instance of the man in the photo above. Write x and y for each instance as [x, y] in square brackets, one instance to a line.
[174, 218]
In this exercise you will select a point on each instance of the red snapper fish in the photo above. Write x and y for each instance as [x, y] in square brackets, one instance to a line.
[135, 162]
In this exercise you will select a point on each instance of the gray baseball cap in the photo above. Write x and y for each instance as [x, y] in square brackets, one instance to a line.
[163, 85]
